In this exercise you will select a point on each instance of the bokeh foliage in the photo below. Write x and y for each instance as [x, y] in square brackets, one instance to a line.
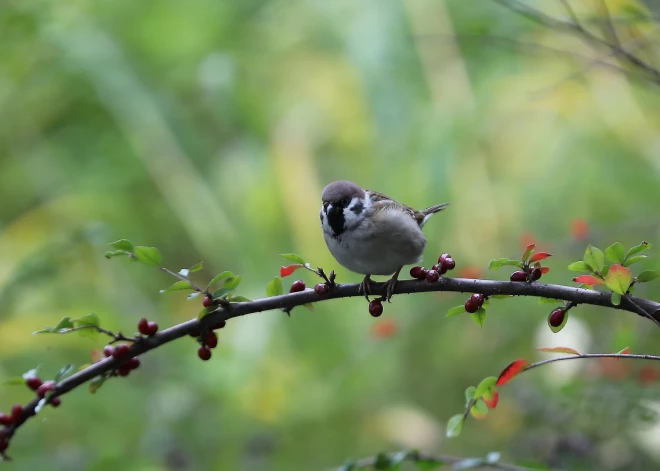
[208, 129]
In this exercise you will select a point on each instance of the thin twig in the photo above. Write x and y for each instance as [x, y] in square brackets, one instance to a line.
[194, 286]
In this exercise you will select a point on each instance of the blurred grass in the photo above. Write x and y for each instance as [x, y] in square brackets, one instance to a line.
[208, 129]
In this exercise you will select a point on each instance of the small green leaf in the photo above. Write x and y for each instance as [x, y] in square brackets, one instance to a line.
[616, 299]
[114, 253]
[90, 319]
[196, 267]
[455, 425]
[193, 295]
[479, 317]
[239, 299]
[222, 292]
[485, 385]
[203, 313]
[47, 330]
[218, 277]
[456, 310]
[469, 394]
[479, 410]
[64, 323]
[96, 383]
[149, 256]
[648, 275]
[63, 372]
[615, 253]
[618, 279]
[579, 266]
[232, 282]
[549, 301]
[122, 244]
[638, 249]
[635, 259]
[501, 262]
[274, 287]
[177, 286]
[16, 380]
[595, 258]
[294, 258]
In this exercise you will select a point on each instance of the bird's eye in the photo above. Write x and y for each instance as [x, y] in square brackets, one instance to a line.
[345, 202]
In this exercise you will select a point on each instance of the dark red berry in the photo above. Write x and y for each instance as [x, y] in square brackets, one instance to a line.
[120, 351]
[4, 444]
[44, 388]
[471, 305]
[443, 257]
[33, 383]
[432, 276]
[536, 274]
[56, 402]
[518, 276]
[211, 340]
[108, 350]
[123, 370]
[419, 273]
[375, 308]
[152, 328]
[207, 301]
[143, 326]
[442, 268]
[204, 353]
[449, 263]
[16, 412]
[133, 363]
[297, 286]
[321, 289]
[5, 419]
[219, 324]
[556, 317]
[478, 298]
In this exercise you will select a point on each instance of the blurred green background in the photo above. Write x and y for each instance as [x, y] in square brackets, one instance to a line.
[208, 129]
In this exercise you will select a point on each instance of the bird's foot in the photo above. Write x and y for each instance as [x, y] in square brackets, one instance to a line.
[390, 284]
[365, 287]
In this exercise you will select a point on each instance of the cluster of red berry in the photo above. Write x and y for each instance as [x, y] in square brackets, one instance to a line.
[445, 262]
[207, 339]
[474, 303]
[299, 285]
[121, 352]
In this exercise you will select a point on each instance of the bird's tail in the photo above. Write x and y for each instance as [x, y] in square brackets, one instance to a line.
[430, 211]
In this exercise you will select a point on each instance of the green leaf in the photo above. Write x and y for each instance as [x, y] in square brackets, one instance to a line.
[579, 266]
[177, 286]
[638, 249]
[218, 277]
[203, 313]
[635, 259]
[456, 310]
[90, 319]
[595, 258]
[469, 394]
[193, 295]
[64, 323]
[239, 299]
[648, 275]
[549, 301]
[274, 287]
[501, 262]
[294, 258]
[149, 256]
[196, 267]
[455, 425]
[222, 292]
[232, 282]
[65, 370]
[616, 299]
[479, 317]
[485, 385]
[122, 244]
[479, 410]
[382, 461]
[114, 253]
[618, 279]
[96, 383]
[15, 381]
[616, 253]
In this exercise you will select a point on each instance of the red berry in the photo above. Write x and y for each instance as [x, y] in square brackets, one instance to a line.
[204, 353]
[152, 328]
[536, 274]
[123, 370]
[120, 351]
[449, 263]
[44, 388]
[556, 317]
[478, 298]
[443, 257]
[108, 350]
[33, 383]
[321, 289]
[419, 273]
[16, 412]
[143, 326]
[56, 402]
[442, 268]
[297, 286]
[471, 305]
[133, 363]
[375, 308]
[432, 276]
[5, 419]
[211, 340]
[207, 301]
[219, 324]
[518, 276]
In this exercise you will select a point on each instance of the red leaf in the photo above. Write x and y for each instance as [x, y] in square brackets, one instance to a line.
[558, 350]
[531, 246]
[545, 270]
[588, 280]
[511, 371]
[539, 256]
[625, 351]
[289, 269]
[491, 400]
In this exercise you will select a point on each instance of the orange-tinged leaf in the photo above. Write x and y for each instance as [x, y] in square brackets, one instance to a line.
[545, 270]
[289, 269]
[588, 280]
[491, 399]
[558, 350]
[528, 251]
[618, 279]
[511, 371]
[625, 351]
[539, 256]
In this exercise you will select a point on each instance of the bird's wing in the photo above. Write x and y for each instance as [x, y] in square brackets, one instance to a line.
[385, 202]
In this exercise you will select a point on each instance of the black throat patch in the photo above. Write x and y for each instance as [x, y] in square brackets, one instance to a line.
[336, 220]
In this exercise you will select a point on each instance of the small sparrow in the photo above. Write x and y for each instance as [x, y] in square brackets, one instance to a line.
[372, 234]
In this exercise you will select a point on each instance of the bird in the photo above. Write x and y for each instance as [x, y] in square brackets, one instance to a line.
[372, 234]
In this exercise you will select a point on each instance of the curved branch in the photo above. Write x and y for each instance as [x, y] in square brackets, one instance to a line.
[289, 301]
